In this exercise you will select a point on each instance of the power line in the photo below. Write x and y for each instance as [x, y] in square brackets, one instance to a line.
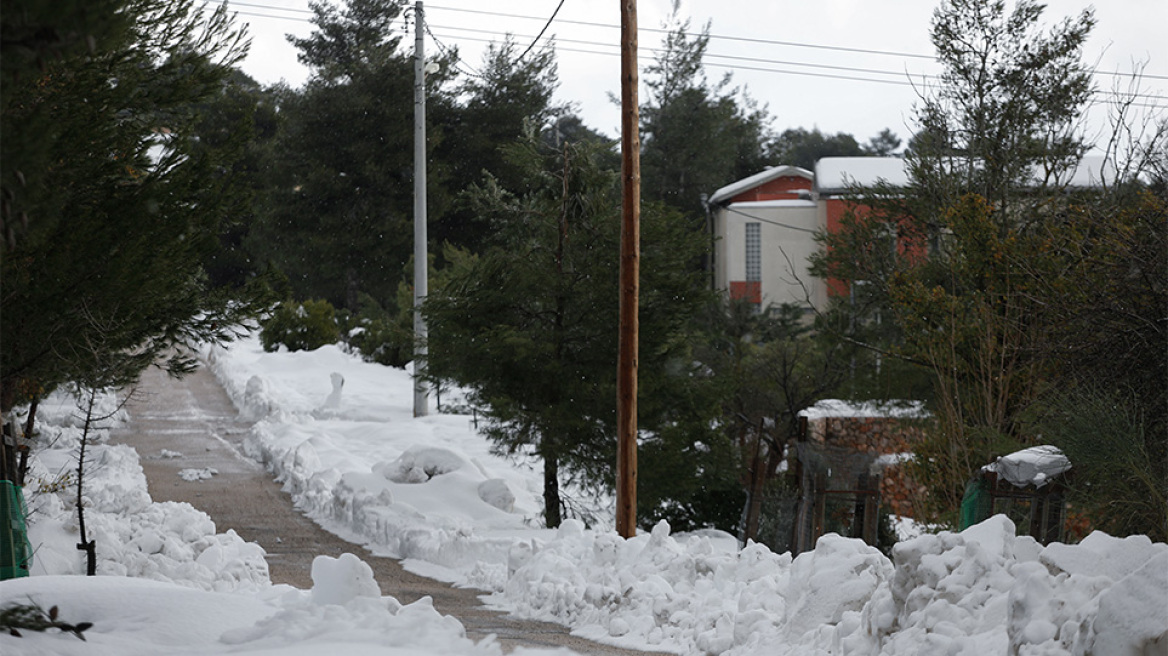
[458, 61]
[889, 53]
[922, 76]
[770, 221]
[540, 35]
[712, 36]
[734, 67]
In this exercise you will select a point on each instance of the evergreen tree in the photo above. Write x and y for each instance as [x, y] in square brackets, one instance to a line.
[987, 169]
[530, 324]
[338, 213]
[803, 148]
[505, 98]
[242, 117]
[109, 276]
[884, 144]
[695, 136]
[1004, 116]
[34, 34]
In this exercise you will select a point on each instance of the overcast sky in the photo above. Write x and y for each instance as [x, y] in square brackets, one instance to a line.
[838, 65]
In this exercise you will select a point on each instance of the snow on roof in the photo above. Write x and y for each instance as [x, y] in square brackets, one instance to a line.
[838, 408]
[757, 204]
[1034, 466]
[838, 174]
[763, 177]
[835, 174]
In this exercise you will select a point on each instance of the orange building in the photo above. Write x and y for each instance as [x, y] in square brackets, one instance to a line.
[764, 227]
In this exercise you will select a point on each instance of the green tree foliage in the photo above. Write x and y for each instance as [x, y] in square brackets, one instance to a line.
[767, 367]
[504, 99]
[109, 276]
[242, 115]
[34, 34]
[1004, 115]
[1119, 475]
[884, 144]
[338, 213]
[945, 259]
[695, 136]
[803, 148]
[300, 326]
[530, 324]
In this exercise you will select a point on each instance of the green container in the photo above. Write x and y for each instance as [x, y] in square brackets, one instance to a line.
[977, 505]
[15, 550]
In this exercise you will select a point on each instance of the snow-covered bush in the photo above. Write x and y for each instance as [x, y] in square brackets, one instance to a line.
[300, 326]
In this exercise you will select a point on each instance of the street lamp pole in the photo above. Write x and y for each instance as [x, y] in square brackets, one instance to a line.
[421, 260]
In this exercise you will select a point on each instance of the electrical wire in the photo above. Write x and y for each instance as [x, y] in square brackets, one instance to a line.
[541, 32]
[462, 65]
[919, 76]
[748, 215]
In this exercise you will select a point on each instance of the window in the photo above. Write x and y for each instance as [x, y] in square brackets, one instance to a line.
[753, 252]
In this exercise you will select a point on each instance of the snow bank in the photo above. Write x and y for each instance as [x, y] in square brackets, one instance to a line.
[982, 591]
[427, 489]
[169, 584]
[342, 614]
[169, 541]
[430, 490]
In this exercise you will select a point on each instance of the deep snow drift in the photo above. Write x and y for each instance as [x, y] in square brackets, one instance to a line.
[430, 491]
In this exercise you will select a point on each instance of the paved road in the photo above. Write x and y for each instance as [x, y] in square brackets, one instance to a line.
[195, 417]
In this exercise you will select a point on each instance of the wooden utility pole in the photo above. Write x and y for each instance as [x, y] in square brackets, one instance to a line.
[630, 268]
[421, 259]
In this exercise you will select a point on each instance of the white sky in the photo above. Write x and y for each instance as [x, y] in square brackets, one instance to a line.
[1127, 31]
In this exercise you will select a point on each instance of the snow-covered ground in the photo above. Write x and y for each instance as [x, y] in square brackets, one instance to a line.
[429, 490]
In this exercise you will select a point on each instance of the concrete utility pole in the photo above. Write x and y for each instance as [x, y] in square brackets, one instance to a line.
[630, 268]
[421, 270]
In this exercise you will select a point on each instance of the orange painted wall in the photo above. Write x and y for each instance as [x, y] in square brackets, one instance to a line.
[912, 248]
[836, 208]
[781, 188]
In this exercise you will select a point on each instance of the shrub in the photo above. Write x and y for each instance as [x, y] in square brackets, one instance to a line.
[377, 334]
[300, 327]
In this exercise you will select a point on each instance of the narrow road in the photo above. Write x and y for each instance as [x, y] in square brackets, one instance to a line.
[195, 417]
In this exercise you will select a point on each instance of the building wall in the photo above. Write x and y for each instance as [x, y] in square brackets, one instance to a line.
[781, 188]
[876, 437]
[787, 242]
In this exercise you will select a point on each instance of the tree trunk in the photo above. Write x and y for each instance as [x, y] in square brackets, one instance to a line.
[758, 477]
[551, 490]
[29, 425]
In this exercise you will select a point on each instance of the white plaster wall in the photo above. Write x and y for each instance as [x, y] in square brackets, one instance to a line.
[785, 250]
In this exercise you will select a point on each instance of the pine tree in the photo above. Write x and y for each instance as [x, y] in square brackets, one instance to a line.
[504, 99]
[530, 323]
[109, 276]
[338, 211]
[695, 136]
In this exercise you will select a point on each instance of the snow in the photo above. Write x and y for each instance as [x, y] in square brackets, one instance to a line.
[429, 490]
[763, 204]
[839, 174]
[835, 175]
[1033, 466]
[760, 178]
[849, 409]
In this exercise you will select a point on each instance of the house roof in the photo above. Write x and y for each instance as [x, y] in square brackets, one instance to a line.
[838, 174]
[733, 189]
[835, 175]
[760, 204]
